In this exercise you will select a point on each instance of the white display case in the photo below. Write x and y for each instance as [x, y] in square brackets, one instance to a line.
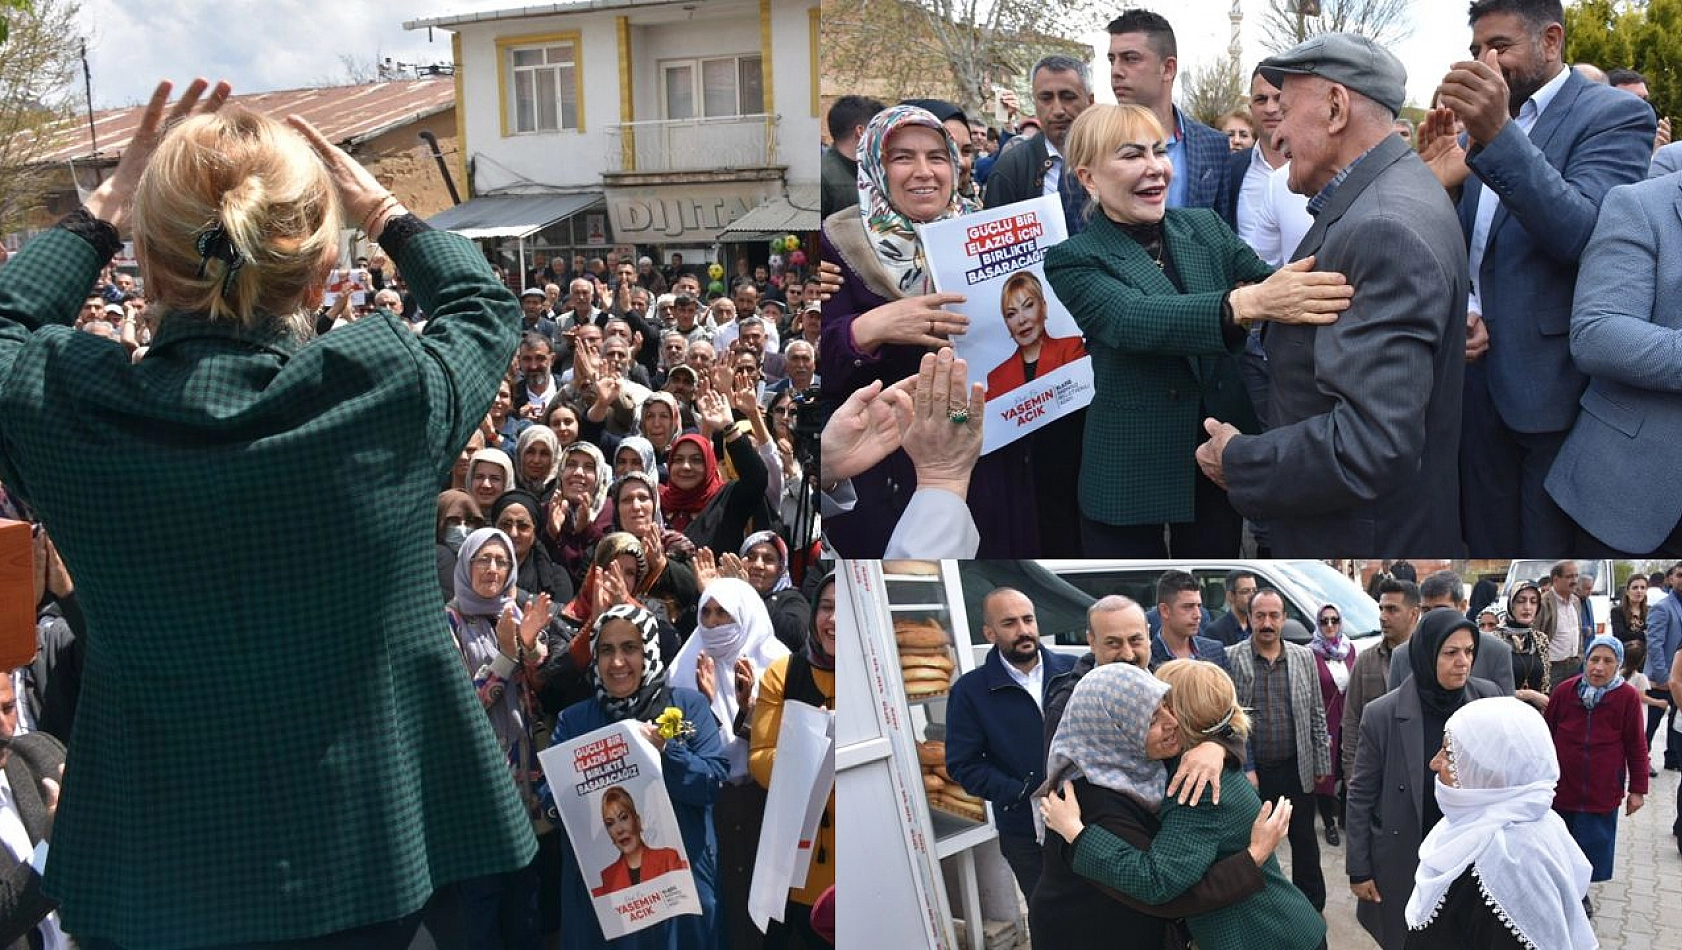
[892, 839]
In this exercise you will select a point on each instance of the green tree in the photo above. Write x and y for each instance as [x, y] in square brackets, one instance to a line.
[5, 17]
[37, 64]
[1638, 36]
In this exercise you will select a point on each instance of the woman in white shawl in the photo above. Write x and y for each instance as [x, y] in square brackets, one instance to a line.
[732, 645]
[1499, 870]
[730, 649]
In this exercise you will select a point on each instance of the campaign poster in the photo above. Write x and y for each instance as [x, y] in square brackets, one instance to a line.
[349, 280]
[800, 785]
[613, 802]
[1022, 342]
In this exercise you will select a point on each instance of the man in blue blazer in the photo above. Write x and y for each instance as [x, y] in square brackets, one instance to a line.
[1626, 334]
[995, 726]
[1144, 59]
[1545, 147]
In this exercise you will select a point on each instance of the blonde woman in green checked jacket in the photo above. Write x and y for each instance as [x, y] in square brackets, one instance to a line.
[1194, 837]
[276, 742]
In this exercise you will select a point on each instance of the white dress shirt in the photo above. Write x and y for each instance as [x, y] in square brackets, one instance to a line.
[1485, 215]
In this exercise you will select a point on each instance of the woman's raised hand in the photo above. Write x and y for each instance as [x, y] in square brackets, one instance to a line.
[113, 200]
[534, 620]
[1295, 293]
[367, 203]
[1269, 828]
[914, 321]
[507, 632]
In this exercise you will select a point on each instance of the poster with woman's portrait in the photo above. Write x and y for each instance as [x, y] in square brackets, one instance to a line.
[613, 801]
[1021, 343]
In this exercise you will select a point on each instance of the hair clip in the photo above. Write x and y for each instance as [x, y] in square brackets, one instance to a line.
[213, 242]
[1222, 728]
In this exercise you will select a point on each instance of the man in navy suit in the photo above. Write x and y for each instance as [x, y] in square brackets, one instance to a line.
[1545, 147]
[1144, 59]
[995, 726]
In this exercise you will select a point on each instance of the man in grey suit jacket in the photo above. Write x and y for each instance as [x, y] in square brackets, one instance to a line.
[1626, 334]
[1545, 147]
[1365, 410]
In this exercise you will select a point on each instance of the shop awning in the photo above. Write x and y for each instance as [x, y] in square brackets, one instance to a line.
[795, 213]
[511, 216]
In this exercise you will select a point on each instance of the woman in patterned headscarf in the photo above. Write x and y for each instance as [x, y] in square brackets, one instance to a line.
[877, 327]
[765, 568]
[630, 683]
[1105, 775]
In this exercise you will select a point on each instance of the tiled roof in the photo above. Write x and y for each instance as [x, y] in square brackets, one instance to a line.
[346, 115]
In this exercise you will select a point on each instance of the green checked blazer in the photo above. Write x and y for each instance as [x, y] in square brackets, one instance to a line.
[1157, 354]
[1193, 838]
[276, 738]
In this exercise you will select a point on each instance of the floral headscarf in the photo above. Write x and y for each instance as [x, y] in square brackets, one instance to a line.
[1331, 649]
[547, 436]
[1591, 695]
[891, 233]
[783, 581]
[604, 473]
[670, 401]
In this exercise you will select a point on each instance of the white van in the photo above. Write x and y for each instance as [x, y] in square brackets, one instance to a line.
[1600, 596]
[1306, 585]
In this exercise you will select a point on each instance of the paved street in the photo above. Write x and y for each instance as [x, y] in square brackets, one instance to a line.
[1639, 909]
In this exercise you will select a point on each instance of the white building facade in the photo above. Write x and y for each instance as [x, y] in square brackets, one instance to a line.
[642, 122]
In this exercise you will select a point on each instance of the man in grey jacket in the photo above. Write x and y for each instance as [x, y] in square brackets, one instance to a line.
[1363, 453]
[1279, 683]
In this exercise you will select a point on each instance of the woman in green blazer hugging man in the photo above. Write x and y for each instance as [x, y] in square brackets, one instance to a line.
[1165, 298]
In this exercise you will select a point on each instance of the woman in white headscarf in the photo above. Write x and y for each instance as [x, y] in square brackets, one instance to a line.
[731, 648]
[1499, 870]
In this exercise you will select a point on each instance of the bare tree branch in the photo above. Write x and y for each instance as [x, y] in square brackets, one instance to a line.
[37, 69]
[1385, 22]
[1213, 89]
[953, 49]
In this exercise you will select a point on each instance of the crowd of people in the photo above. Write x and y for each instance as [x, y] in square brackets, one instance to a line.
[549, 516]
[1349, 334]
[1475, 810]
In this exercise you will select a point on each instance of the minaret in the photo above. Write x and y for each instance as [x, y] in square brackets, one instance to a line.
[1235, 49]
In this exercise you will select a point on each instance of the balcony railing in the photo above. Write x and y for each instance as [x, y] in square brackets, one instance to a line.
[684, 145]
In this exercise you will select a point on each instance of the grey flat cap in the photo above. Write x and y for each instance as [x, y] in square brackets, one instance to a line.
[1347, 59]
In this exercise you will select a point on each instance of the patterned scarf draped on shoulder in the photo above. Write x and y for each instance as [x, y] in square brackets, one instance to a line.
[892, 235]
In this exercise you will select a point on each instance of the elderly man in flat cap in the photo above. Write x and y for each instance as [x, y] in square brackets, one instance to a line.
[1366, 416]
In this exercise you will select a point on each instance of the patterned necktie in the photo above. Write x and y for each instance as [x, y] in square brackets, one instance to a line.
[1073, 197]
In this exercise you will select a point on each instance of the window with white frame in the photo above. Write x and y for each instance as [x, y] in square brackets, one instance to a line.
[543, 82]
[713, 87]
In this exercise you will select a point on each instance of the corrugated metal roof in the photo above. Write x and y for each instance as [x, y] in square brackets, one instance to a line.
[776, 216]
[515, 216]
[346, 115]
